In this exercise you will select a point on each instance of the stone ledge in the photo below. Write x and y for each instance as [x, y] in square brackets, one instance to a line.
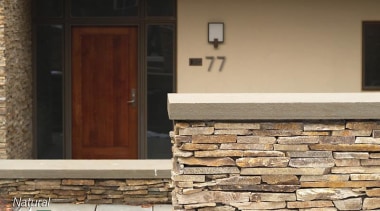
[274, 106]
[89, 169]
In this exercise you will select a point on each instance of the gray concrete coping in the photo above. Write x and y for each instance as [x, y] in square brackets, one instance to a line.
[273, 106]
[90, 169]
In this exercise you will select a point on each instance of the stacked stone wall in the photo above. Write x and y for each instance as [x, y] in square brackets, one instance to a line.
[276, 165]
[89, 191]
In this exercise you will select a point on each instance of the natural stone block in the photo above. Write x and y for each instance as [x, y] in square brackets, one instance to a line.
[247, 146]
[255, 140]
[337, 140]
[293, 147]
[256, 197]
[179, 140]
[125, 188]
[324, 126]
[222, 125]
[219, 208]
[182, 125]
[259, 205]
[376, 134]
[194, 147]
[284, 171]
[47, 184]
[77, 182]
[298, 140]
[365, 177]
[192, 178]
[219, 153]
[196, 131]
[311, 162]
[226, 161]
[340, 184]
[257, 188]
[373, 192]
[349, 204]
[354, 169]
[346, 147]
[347, 162]
[309, 154]
[315, 133]
[262, 162]
[187, 184]
[329, 177]
[374, 155]
[180, 153]
[199, 205]
[325, 194]
[213, 197]
[216, 176]
[367, 140]
[309, 204]
[254, 153]
[361, 125]
[351, 133]
[191, 191]
[239, 180]
[371, 203]
[351, 155]
[280, 179]
[214, 139]
[276, 132]
[319, 209]
[211, 170]
[281, 126]
[241, 132]
[370, 162]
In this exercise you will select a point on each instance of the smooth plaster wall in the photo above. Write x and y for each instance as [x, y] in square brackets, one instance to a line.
[274, 45]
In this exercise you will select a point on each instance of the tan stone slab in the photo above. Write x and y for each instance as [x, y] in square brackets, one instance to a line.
[230, 125]
[181, 153]
[187, 184]
[311, 162]
[373, 192]
[276, 132]
[254, 153]
[376, 133]
[256, 140]
[346, 147]
[284, 171]
[262, 162]
[239, 180]
[329, 177]
[257, 188]
[362, 125]
[315, 133]
[337, 140]
[298, 140]
[213, 197]
[355, 170]
[351, 133]
[347, 162]
[214, 139]
[309, 204]
[340, 184]
[371, 203]
[226, 161]
[370, 162]
[247, 146]
[374, 155]
[367, 140]
[259, 205]
[219, 153]
[211, 170]
[281, 126]
[182, 125]
[349, 204]
[195, 147]
[309, 194]
[241, 132]
[219, 208]
[77, 182]
[319, 209]
[196, 131]
[320, 126]
[351, 155]
[309, 154]
[192, 178]
[256, 197]
[365, 176]
[179, 140]
[293, 147]
[280, 179]
[199, 205]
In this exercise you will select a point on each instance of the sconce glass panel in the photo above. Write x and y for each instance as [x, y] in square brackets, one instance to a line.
[216, 31]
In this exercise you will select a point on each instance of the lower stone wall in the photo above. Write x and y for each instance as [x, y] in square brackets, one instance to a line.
[277, 165]
[89, 191]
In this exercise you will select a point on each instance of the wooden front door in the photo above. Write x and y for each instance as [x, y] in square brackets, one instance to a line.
[104, 82]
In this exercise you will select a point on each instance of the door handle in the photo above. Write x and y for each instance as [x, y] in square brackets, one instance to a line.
[133, 97]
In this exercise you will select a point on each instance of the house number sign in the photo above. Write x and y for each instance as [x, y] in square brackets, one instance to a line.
[212, 61]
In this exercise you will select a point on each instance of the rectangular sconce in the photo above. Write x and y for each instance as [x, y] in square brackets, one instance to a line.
[216, 33]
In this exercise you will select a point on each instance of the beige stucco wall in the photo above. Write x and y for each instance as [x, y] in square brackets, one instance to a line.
[274, 45]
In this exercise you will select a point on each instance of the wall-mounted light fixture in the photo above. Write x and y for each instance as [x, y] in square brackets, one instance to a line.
[216, 33]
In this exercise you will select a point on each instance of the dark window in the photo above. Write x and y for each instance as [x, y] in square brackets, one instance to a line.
[49, 8]
[371, 55]
[49, 91]
[160, 8]
[104, 8]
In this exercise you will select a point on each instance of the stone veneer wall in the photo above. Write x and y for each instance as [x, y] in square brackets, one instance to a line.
[15, 80]
[276, 165]
[89, 191]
